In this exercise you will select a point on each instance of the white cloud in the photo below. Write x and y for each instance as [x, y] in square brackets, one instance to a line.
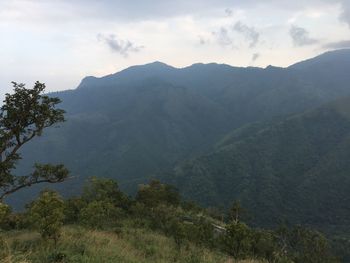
[223, 37]
[255, 56]
[121, 46]
[250, 33]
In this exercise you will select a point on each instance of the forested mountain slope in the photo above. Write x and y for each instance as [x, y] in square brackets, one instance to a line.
[297, 169]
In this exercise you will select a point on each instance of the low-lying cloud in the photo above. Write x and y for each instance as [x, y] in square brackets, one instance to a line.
[255, 57]
[301, 37]
[249, 33]
[338, 45]
[121, 46]
[223, 37]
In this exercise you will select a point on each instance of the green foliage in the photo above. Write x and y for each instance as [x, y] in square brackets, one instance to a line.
[156, 193]
[47, 214]
[236, 211]
[237, 240]
[106, 190]
[264, 245]
[99, 208]
[23, 116]
[99, 214]
[101, 204]
[201, 232]
[72, 209]
[305, 245]
[5, 211]
[16, 221]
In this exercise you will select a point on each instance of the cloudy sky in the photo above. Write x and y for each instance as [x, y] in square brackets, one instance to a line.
[61, 41]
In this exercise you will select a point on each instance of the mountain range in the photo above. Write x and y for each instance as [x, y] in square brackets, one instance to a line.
[274, 138]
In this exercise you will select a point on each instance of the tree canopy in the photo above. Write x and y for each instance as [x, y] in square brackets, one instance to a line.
[23, 116]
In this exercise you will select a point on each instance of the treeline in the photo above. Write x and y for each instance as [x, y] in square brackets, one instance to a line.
[159, 207]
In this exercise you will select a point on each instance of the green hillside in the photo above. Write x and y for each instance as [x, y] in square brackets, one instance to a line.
[295, 170]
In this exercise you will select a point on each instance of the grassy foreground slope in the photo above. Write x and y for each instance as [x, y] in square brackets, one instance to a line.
[130, 245]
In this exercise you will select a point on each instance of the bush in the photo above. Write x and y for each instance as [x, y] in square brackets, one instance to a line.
[47, 214]
[106, 190]
[264, 245]
[237, 240]
[99, 214]
[72, 209]
[5, 211]
[303, 245]
[156, 193]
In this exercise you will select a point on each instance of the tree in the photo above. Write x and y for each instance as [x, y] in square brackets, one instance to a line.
[23, 116]
[99, 214]
[47, 214]
[5, 211]
[72, 209]
[301, 244]
[237, 240]
[236, 211]
[106, 190]
[156, 193]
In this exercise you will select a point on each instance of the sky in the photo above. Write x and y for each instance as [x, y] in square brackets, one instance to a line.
[59, 42]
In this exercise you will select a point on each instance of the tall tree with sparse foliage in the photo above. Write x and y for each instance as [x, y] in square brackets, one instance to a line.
[23, 116]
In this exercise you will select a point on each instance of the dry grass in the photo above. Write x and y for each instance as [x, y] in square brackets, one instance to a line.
[88, 246]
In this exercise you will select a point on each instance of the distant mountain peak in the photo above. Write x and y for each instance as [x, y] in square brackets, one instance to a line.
[158, 63]
[86, 81]
[334, 56]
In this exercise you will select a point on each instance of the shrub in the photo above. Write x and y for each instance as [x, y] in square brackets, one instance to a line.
[5, 211]
[72, 209]
[47, 214]
[237, 240]
[106, 190]
[156, 193]
[99, 214]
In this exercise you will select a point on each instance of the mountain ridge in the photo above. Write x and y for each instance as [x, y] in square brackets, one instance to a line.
[158, 65]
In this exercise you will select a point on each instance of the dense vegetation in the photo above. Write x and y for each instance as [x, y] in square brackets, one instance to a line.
[296, 170]
[105, 225]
